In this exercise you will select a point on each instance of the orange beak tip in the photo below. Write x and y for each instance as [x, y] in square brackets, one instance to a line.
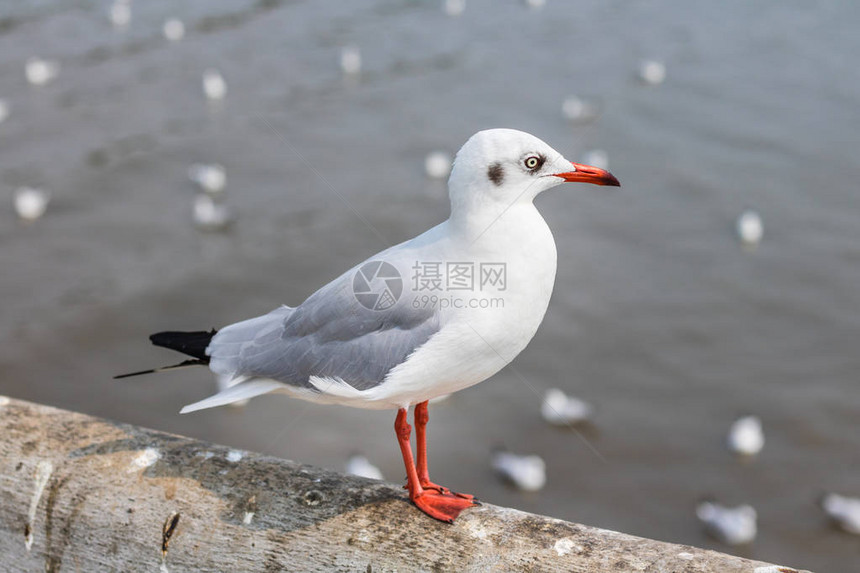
[588, 174]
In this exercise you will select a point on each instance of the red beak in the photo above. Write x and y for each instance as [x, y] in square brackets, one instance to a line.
[589, 174]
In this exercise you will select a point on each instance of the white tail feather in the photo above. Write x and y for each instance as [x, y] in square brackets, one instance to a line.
[235, 393]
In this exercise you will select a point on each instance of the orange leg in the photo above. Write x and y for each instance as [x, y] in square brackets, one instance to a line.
[421, 419]
[437, 504]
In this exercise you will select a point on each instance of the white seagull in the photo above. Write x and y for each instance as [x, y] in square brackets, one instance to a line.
[652, 72]
[40, 72]
[210, 177]
[31, 203]
[749, 227]
[525, 472]
[559, 409]
[214, 85]
[210, 214]
[350, 60]
[430, 316]
[580, 110]
[437, 164]
[173, 29]
[120, 13]
[843, 511]
[746, 437]
[731, 525]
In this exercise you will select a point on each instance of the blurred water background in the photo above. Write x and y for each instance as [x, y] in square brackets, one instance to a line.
[659, 318]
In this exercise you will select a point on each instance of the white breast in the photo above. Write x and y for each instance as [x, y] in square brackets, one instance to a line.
[493, 325]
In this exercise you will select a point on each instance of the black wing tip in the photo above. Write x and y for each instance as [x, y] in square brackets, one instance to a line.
[168, 336]
[183, 364]
[191, 343]
[130, 374]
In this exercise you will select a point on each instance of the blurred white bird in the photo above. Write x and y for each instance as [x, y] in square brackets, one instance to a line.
[359, 465]
[559, 409]
[173, 29]
[214, 85]
[652, 72]
[31, 203]
[535, 4]
[4, 110]
[454, 7]
[843, 511]
[350, 60]
[211, 215]
[731, 525]
[745, 436]
[527, 473]
[596, 157]
[437, 164]
[120, 13]
[749, 227]
[579, 110]
[210, 177]
[39, 72]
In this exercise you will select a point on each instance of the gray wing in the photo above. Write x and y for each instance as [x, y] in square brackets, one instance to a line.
[331, 334]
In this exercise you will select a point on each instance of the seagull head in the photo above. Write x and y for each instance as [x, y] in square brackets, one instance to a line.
[506, 166]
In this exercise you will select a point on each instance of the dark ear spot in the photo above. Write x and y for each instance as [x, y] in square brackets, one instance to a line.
[496, 173]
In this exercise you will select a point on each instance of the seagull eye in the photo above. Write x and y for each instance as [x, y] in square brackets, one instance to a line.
[533, 162]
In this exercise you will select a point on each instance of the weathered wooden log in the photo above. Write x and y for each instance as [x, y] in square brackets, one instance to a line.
[79, 493]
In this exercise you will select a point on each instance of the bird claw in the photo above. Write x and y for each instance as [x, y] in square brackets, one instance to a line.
[445, 491]
[443, 506]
